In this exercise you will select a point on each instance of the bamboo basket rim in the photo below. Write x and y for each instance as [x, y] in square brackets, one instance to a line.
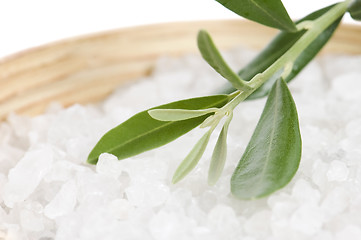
[347, 27]
[87, 68]
[344, 26]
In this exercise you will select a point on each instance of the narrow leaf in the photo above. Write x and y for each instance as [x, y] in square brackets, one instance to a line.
[209, 121]
[211, 54]
[277, 47]
[212, 120]
[178, 114]
[219, 155]
[355, 9]
[141, 132]
[271, 13]
[306, 56]
[192, 158]
[273, 154]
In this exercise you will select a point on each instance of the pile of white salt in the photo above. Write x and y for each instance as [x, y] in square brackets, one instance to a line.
[48, 191]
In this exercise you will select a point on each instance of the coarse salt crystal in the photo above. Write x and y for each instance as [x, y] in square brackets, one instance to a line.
[169, 225]
[308, 219]
[336, 201]
[62, 171]
[349, 232]
[147, 193]
[224, 221]
[338, 171]
[63, 202]
[346, 86]
[31, 221]
[109, 164]
[97, 187]
[319, 173]
[5, 133]
[121, 208]
[304, 193]
[323, 235]
[284, 209]
[26, 175]
[258, 224]
[2, 214]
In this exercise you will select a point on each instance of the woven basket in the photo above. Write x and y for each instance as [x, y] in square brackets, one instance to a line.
[88, 68]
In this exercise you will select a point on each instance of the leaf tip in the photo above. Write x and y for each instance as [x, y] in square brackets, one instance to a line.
[159, 115]
[202, 32]
[211, 181]
[152, 114]
[203, 36]
[176, 178]
[92, 160]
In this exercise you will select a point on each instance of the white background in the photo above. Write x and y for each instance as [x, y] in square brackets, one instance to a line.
[28, 23]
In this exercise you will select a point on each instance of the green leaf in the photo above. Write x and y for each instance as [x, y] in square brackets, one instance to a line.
[273, 154]
[277, 47]
[219, 155]
[284, 39]
[355, 9]
[178, 114]
[192, 158]
[271, 13]
[141, 132]
[211, 54]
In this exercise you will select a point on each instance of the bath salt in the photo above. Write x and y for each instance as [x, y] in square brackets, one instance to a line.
[64, 201]
[338, 171]
[49, 192]
[25, 177]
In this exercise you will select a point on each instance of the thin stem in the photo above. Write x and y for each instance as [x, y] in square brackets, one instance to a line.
[314, 29]
[241, 96]
[318, 26]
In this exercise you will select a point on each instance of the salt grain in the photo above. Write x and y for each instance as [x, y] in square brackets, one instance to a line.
[2, 215]
[257, 225]
[336, 201]
[349, 232]
[224, 223]
[26, 175]
[338, 171]
[147, 193]
[304, 193]
[319, 173]
[109, 164]
[64, 201]
[169, 225]
[31, 221]
[97, 188]
[347, 86]
[121, 208]
[307, 219]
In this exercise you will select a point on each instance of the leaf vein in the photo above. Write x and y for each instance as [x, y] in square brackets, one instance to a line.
[156, 129]
[268, 14]
[274, 122]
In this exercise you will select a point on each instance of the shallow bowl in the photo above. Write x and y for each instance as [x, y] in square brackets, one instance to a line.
[86, 69]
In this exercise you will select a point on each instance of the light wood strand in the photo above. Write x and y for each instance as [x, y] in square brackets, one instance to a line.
[87, 69]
